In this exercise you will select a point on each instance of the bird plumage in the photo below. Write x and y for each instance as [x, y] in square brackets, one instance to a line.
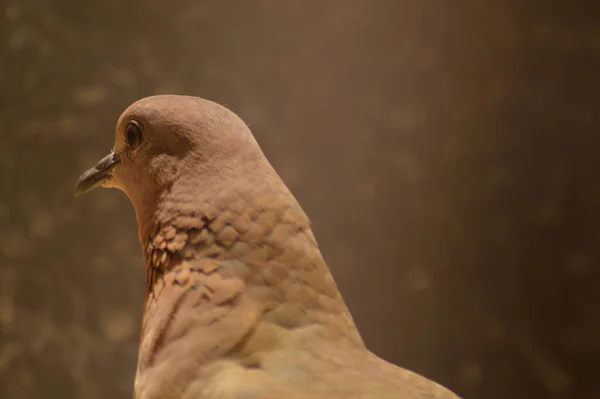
[239, 301]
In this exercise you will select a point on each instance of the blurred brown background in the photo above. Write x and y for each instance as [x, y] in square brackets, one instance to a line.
[445, 151]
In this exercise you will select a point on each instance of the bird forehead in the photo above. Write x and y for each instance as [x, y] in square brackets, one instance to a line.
[167, 104]
[178, 124]
[169, 111]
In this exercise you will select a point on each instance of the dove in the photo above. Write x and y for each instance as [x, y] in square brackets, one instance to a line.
[239, 302]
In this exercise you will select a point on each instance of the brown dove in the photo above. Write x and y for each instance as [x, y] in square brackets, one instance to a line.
[239, 301]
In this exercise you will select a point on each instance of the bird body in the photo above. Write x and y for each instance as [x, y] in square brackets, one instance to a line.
[239, 301]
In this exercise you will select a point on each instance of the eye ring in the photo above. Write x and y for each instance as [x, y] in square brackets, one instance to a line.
[133, 134]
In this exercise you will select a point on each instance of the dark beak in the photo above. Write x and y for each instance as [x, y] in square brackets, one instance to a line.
[97, 175]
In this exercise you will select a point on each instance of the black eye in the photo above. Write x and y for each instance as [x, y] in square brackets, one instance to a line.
[133, 135]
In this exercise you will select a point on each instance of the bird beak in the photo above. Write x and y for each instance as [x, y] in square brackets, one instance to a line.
[98, 174]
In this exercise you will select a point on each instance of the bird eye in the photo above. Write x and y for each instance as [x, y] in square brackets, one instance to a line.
[133, 135]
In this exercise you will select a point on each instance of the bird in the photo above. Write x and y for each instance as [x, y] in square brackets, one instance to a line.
[239, 302]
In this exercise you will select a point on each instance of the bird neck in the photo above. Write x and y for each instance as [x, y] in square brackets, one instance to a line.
[260, 225]
[251, 221]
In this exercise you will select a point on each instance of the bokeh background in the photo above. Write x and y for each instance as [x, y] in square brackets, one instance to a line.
[447, 153]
